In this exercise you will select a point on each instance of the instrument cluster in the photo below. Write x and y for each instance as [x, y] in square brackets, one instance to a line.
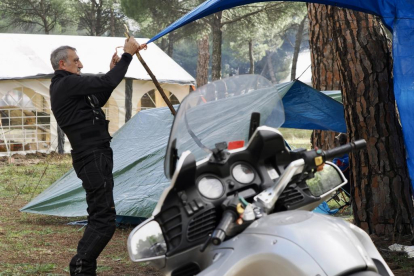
[211, 187]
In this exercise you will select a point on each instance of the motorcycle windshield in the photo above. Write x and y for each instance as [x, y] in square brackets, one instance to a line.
[221, 112]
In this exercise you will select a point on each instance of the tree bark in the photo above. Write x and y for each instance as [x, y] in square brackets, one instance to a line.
[298, 42]
[61, 140]
[112, 22]
[382, 196]
[170, 49]
[251, 57]
[217, 38]
[203, 60]
[325, 72]
[381, 193]
[270, 66]
[128, 99]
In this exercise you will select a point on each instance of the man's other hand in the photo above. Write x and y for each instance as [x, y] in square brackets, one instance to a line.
[114, 61]
[131, 46]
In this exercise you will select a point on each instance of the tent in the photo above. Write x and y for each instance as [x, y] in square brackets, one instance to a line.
[139, 149]
[25, 74]
[397, 15]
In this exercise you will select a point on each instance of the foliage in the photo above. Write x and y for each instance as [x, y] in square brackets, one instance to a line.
[100, 17]
[32, 14]
[266, 29]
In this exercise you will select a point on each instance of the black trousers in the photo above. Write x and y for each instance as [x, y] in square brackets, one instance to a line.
[94, 168]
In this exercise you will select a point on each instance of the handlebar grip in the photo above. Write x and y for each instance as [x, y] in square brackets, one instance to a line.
[339, 151]
[219, 235]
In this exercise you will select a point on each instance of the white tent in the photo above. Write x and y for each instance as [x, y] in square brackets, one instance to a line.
[25, 73]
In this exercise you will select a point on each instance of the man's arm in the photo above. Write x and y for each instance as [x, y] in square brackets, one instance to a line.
[103, 86]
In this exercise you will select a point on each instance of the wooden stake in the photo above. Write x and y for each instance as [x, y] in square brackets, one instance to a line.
[154, 79]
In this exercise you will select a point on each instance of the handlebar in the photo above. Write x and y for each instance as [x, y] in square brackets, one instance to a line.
[315, 158]
[353, 146]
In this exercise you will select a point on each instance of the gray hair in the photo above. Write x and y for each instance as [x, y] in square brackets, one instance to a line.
[58, 54]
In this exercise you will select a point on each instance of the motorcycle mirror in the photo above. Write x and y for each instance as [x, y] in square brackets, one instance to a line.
[146, 242]
[326, 180]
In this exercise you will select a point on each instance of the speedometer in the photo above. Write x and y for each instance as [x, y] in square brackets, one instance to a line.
[243, 173]
[210, 187]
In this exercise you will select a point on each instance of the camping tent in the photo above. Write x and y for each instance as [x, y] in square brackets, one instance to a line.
[139, 148]
[398, 16]
[25, 74]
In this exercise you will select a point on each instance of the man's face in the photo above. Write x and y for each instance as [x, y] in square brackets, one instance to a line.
[72, 64]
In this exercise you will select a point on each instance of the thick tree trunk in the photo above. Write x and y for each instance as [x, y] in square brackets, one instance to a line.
[217, 38]
[325, 72]
[251, 57]
[298, 42]
[203, 60]
[382, 197]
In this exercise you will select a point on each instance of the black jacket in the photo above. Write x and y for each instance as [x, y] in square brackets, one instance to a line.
[76, 104]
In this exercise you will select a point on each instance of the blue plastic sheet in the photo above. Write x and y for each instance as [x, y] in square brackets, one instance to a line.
[397, 15]
[139, 150]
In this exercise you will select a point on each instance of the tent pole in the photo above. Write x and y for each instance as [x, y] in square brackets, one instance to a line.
[154, 79]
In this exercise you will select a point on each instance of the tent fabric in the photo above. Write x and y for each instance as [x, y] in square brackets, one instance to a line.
[139, 149]
[397, 15]
[32, 55]
[307, 108]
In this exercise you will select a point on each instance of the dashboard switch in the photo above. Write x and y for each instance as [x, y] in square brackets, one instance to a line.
[199, 203]
[193, 206]
[188, 210]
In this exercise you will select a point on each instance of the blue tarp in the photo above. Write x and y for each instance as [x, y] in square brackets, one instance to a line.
[139, 149]
[398, 16]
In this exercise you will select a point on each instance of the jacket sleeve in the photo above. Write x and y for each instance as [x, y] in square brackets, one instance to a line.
[100, 86]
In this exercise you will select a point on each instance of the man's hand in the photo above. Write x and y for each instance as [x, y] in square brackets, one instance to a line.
[114, 61]
[131, 46]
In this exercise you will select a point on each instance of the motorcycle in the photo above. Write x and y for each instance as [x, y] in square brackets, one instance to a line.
[240, 199]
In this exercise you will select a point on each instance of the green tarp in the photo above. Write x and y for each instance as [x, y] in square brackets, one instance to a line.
[139, 148]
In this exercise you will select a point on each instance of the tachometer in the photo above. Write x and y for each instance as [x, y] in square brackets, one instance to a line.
[210, 187]
[243, 173]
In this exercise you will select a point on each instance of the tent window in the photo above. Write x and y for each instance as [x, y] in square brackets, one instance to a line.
[25, 121]
[153, 99]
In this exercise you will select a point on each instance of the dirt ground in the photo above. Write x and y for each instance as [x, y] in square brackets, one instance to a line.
[43, 245]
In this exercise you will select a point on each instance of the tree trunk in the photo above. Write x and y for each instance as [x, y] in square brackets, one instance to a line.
[61, 140]
[382, 196]
[217, 39]
[170, 49]
[112, 22]
[164, 44]
[270, 66]
[325, 72]
[203, 60]
[128, 99]
[298, 42]
[251, 58]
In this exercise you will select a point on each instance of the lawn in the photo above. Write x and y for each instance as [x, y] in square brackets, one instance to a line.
[43, 245]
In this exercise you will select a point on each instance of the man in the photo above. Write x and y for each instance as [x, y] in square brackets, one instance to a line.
[76, 103]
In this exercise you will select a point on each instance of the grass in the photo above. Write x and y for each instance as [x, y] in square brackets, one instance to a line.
[297, 138]
[43, 245]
